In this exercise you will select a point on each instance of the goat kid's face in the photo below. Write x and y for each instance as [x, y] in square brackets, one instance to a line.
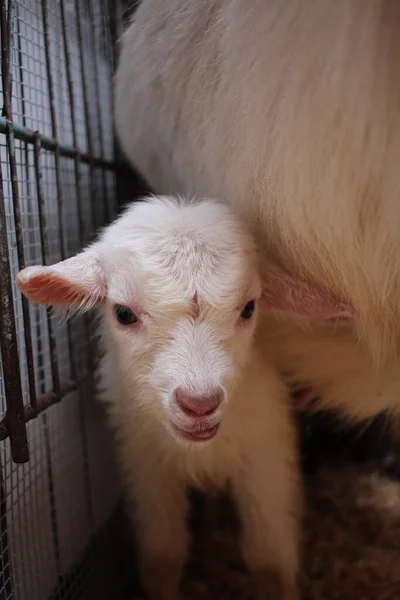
[181, 308]
[179, 285]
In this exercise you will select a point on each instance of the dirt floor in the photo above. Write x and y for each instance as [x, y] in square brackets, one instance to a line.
[352, 541]
[351, 528]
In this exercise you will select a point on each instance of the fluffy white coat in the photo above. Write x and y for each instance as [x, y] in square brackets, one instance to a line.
[183, 273]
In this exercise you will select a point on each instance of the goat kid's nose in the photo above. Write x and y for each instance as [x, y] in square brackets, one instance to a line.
[199, 406]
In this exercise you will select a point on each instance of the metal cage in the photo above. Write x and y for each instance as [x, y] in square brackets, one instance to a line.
[58, 496]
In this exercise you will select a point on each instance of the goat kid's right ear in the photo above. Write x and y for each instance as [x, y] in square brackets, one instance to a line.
[76, 283]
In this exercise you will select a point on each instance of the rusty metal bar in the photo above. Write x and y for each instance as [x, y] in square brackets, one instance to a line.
[14, 419]
[7, 21]
[21, 265]
[8, 333]
[7, 81]
[44, 401]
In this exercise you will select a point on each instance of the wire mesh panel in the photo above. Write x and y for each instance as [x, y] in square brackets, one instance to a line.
[57, 186]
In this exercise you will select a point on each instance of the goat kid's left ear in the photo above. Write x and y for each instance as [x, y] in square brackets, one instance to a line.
[291, 297]
[76, 283]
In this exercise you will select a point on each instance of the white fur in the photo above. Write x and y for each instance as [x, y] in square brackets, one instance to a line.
[289, 111]
[155, 259]
[339, 369]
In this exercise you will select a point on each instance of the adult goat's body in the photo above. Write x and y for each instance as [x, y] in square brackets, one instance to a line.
[289, 111]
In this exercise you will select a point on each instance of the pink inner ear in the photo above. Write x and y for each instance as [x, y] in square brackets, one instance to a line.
[47, 287]
[282, 293]
[76, 282]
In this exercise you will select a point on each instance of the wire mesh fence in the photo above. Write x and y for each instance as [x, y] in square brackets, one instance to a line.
[58, 175]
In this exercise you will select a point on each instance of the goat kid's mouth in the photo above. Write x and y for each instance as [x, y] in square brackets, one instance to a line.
[199, 432]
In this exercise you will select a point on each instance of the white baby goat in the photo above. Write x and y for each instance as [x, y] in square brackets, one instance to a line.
[189, 393]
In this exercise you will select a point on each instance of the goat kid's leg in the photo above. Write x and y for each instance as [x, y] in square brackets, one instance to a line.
[267, 492]
[160, 506]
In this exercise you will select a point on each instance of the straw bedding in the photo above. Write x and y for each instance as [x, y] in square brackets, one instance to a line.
[352, 541]
[351, 533]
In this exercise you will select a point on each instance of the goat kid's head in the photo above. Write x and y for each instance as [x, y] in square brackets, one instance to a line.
[179, 284]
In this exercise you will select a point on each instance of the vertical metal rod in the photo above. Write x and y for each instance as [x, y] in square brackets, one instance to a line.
[90, 365]
[46, 428]
[117, 29]
[115, 19]
[30, 201]
[8, 333]
[15, 418]
[45, 255]
[7, 20]
[87, 123]
[106, 211]
[50, 84]
[23, 109]
[86, 112]
[21, 264]
[7, 34]
[117, 26]
[81, 228]
[57, 170]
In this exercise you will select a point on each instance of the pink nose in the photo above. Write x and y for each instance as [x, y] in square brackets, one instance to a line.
[199, 406]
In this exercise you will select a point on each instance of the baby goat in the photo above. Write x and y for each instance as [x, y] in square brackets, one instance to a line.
[189, 394]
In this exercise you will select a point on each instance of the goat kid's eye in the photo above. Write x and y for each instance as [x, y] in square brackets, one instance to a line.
[124, 315]
[248, 310]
